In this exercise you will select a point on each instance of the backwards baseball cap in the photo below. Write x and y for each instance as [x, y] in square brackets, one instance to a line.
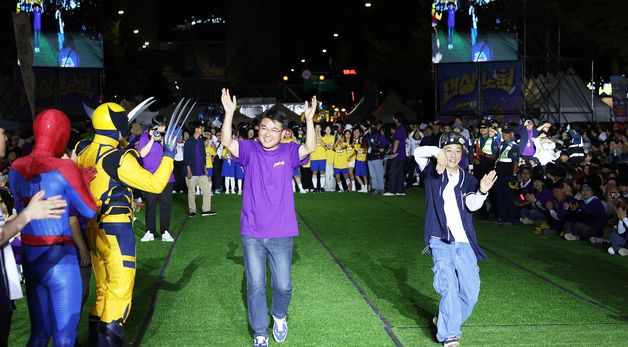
[450, 138]
[528, 121]
[586, 186]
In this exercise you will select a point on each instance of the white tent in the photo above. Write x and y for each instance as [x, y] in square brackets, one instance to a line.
[571, 101]
[389, 106]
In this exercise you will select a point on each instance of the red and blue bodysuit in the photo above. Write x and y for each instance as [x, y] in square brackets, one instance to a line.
[53, 280]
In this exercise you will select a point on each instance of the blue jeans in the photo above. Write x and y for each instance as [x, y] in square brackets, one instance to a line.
[457, 281]
[533, 214]
[279, 253]
[376, 171]
[617, 241]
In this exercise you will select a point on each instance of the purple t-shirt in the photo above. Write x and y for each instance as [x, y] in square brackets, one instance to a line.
[152, 160]
[37, 19]
[528, 149]
[268, 201]
[451, 17]
[400, 135]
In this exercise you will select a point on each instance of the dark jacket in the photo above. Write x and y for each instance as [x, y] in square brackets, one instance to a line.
[435, 220]
[189, 149]
[523, 136]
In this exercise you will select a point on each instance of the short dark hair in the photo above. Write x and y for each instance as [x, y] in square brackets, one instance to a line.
[195, 124]
[276, 116]
[400, 117]
[158, 120]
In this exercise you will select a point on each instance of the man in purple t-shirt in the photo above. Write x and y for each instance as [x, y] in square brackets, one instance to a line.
[36, 26]
[151, 150]
[397, 158]
[268, 220]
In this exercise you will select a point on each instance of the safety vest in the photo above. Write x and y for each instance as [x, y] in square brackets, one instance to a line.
[503, 155]
[576, 149]
[486, 149]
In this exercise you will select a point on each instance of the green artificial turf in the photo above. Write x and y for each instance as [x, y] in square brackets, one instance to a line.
[536, 290]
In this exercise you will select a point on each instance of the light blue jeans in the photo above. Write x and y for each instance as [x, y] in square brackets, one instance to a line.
[457, 281]
[279, 253]
[376, 171]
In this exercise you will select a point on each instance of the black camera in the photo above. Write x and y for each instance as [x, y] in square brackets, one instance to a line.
[156, 134]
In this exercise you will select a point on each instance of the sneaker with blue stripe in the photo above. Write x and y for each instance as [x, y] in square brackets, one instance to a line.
[280, 329]
[260, 341]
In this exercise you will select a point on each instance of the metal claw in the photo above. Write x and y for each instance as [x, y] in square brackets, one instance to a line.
[174, 129]
[88, 110]
[137, 110]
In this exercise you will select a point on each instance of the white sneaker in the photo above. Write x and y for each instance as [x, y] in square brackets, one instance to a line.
[596, 240]
[623, 252]
[571, 237]
[239, 192]
[611, 251]
[148, 237]
[166, 237]
[174, 192]
[280, 329]
[227, 192]
[388, 194]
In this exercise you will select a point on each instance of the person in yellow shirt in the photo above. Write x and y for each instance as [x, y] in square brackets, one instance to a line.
[210, 154]
[288, 137]
[350, 153]
[329, 139]
[361, 171]
[318, 161]
[341, 164]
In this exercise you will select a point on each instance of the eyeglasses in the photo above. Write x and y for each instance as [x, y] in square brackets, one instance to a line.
[483, 127]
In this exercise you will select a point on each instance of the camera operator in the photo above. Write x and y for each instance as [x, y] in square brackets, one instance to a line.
[376, 145]
[151, 150]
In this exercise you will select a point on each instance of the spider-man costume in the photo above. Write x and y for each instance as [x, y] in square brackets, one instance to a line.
[50, 262]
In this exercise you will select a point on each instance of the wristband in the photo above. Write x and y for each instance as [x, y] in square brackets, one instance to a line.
[480, 191]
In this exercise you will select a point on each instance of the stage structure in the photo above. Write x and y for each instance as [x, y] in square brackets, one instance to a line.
[489, 61]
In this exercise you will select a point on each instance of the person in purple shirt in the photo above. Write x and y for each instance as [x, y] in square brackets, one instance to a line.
[451, 23]
[534, 209]
[151, 150]
[268, 220]
[589, 217]
[194, 158]
[558, 208]
[36, 26]
[397, 157]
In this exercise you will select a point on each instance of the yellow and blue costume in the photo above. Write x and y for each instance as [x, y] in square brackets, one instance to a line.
[110, 234]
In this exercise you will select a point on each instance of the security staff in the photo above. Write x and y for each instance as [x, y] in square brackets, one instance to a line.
[506, 168]
[482, 155]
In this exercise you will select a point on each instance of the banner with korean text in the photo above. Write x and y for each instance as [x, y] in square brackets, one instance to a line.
[484, 88]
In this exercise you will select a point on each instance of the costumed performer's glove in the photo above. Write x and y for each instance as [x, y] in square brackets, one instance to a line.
[175, 127]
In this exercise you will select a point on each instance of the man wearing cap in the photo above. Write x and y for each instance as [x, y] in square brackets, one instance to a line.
[451, 196]
[483, 154]
[576, 145]
[506, 167]
[589, 217]
[558, 208]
